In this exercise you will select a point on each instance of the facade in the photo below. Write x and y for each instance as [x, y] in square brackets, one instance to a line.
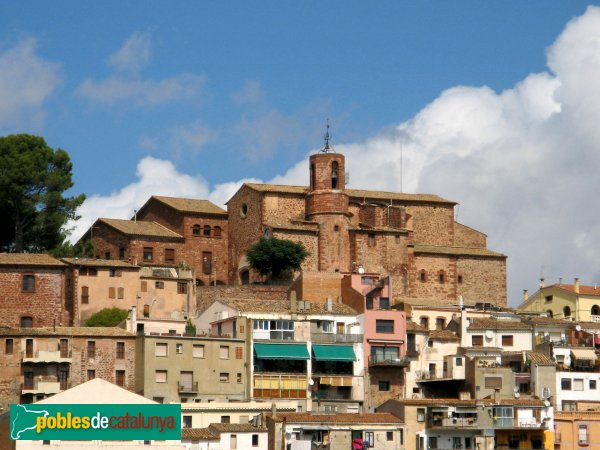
[575, 301]
[577, 430]
[413, 238]
[33, 290]
[40, 362]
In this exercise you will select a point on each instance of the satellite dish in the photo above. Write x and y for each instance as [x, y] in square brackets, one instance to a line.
[516, 389]
[546, 403]
[311, 381]
[489, 334]
[517, 395]
[361, 270]
[578, 327]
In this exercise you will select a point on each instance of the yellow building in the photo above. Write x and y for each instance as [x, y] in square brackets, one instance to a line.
[577, 429]
[575, 301]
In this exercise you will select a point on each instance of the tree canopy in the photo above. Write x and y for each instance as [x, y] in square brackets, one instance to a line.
[275, 256]
[33, 180]
[107, 317]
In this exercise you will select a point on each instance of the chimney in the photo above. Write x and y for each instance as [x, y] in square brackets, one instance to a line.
[293, 302]
[576, 285]
[541, 283]
[525, 295]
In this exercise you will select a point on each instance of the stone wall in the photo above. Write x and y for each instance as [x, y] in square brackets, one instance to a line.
[310, 242]
[483, 279]
[465, 236]
[439, 280]
[432, 224]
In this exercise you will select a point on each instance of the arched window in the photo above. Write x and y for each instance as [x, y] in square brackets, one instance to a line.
[424, 322]
[595, 310]
[196, 230]
[217, 231]
[26, 322]
[334, 175]
[567, 312]
[245, 277]
[550, 313]
[206, 230]
[423, 276]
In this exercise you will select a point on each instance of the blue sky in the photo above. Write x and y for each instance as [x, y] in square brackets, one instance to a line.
[191, 98]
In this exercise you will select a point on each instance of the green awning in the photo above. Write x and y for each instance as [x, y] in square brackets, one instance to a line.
[281, 351]
[334, 353]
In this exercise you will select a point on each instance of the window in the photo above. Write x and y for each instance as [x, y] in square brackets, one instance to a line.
[592, 384]
[224, 377]
[595, 310]
[159, 284]
[239, 353]
[196, 230]
[336, 228]
[423, 276]
[239, 377]
[187, 421]
[334, 175]
[565, 384]
[440, 323]
[441, 276]
[120, 350]
[217, 231]
[160, 376]
[507, 341]
[371, 240]
[120, 293]
[583, 434]
[206, 263]
[111, 292]
[148, 254]
[384, 385]
[206, 230]
[114, 273]
[179, 348]
[198, 351]
[424, 321]
[369, 439]
[26, 322]
[384, 326]
[255, 440]
[433, 442]
[85, 295]
[120, 378]
[91, 349]
[578, 384]
[28, 283]
[384, 303]
[122, 253]
[459, 279]
[389, 436]
[243, 210]
[420, 414]
[181, 288]
[225, 419]
[93, 272]
[430, 343]
[144, 286]
[9, 346]
[107, 255]
[161, 349]
[477, 340]
[169, 255]
[327, 326]
[567, 312]
[369, 303]
[549, 298]
[146, 311]
[550, 313]
[458, 362]
[91, 374]
[493, 382]
[224, 352]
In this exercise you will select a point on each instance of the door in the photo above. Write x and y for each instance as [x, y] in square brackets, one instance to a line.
[64, 348]
[186, 380]
[29, 348]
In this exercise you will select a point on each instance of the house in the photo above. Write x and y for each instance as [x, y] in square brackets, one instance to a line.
[579, 429]
[33, 287]
[226, 436]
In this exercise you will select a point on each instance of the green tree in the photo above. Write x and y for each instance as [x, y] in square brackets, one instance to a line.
[33, 179]
[107, 317]
[82, 249]
[276, 256]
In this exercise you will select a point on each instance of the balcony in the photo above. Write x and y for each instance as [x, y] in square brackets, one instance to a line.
[187, 388]
[509, 422]
[335, 338]
[412, 353]
[454, 422]
[43, 387]
[381, 360]
[290, 386]
[43, 356]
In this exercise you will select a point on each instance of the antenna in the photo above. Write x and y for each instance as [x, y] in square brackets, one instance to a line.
[327, 148]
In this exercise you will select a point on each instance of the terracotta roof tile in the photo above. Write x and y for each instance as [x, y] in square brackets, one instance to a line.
[443, 335]
[473, 402]
[67, 331]
[92, 262]
[456, 251]
[541, 359]
[592, 291]
[355, 194]
[236, 428]
[489, 323]
[140, 228]
[547, 321]
[341, 418]
[29, 259]
[201, 434]
[283, 306]
[190, 205]
[412, 326]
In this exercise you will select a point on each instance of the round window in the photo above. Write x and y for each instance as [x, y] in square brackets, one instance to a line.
[244, 210]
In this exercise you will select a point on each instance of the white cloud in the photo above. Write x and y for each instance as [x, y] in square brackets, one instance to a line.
[26, 83]
[191, 137]
[251, 92]
[154, 177]
[133, 55]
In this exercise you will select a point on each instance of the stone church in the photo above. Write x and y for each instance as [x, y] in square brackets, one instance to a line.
[413, 238]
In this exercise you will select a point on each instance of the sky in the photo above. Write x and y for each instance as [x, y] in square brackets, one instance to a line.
[494, 105]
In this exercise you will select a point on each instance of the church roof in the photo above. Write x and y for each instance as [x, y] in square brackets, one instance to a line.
[140, 228]
[356, 194]
[456, 251]
[190, 205]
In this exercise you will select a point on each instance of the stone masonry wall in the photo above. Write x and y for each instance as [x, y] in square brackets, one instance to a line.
[432, 287]
[432, 225]
[45, 305]
[465, 236]
[483, 279]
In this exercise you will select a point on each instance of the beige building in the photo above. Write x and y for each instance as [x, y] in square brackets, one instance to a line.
[576, 430]
[565, 301]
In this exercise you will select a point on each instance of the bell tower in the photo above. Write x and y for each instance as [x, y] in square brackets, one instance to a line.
[327, 204]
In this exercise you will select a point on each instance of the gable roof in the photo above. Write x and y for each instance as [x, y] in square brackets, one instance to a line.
[444, 335]
[201, 434]
[140, 228]
[29, 259]
[189, 205]
[355, 194]
[591, 291]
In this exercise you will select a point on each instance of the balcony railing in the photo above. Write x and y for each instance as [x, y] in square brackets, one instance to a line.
[508, 422]
[594, 318]
[44, 356]
[381, 360]
[454, 422]
[280, 385]
[187, 387]
[331, 338]
[331, 394]
[45, 387]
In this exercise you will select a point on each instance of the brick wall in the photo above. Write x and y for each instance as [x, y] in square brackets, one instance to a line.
[384, 252]
[44, 305]
[432, 225]
[281, 207]
[394, 375]
[432, 287]
[318, 286]
[465, 236]
[156, 211]
[483, 279]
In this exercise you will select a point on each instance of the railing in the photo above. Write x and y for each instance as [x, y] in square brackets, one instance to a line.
[381, 360]
[187, 387]
[329, 338]
[267, 385]
[508, 422]
[331, 394]
[412, 353]
[594, 318]
[44, 387]
[46, 356]
[454, 422]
